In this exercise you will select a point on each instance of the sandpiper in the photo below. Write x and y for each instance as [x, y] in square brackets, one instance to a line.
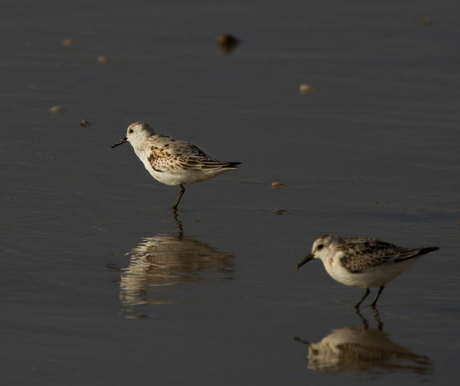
[363, 262]
[170, 161]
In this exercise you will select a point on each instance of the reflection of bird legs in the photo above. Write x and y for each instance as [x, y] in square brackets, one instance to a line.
[377, 318]
[181, 193]
[363, 319]
[179, 226]
[365, 322]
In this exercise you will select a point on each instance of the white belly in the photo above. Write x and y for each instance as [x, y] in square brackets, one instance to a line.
[185, 177]
[374, 277]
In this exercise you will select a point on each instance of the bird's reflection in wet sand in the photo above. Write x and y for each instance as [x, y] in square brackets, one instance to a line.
[170, 259]
[363, 349]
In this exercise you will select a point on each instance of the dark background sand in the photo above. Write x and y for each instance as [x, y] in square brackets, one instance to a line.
[373, 152]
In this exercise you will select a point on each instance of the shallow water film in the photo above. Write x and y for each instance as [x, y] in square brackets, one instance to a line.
[345, 118]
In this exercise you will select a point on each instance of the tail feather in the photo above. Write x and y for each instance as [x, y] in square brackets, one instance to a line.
[426, 250]
[233, 165]
[417, 252]
[220, 165]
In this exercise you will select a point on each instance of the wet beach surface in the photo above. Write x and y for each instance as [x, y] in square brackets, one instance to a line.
[103, 284]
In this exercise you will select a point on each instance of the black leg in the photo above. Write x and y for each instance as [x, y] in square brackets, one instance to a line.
[363, 319]
[366, 294]
[181, 193]
[377, 297]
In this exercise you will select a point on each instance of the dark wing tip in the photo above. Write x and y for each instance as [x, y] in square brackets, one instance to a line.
[233, 164]
[429, 249]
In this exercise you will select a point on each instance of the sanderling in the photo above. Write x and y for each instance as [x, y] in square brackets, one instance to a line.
[363, 262]
[172, 162]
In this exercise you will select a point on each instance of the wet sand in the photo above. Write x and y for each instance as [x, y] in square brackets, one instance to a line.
[102, 284]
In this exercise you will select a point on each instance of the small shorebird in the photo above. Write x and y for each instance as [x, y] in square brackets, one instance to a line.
[170, 161]
[363, 262]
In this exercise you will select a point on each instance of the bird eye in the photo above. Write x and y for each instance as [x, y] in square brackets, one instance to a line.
[319, 247]
[131, 130]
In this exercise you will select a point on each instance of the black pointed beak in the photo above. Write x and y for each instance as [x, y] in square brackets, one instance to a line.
[120, 142]
[305, 260]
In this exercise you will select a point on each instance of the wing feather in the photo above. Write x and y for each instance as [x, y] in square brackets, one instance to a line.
[364, 254]
[169, 155]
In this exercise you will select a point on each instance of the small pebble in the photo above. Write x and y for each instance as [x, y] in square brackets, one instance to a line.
[84, 123]
[306, 89]
[137, 316]
[426, 21]
[103, 59]
[278, 185]
[58, 109]
[69, 42]
[227, 42]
